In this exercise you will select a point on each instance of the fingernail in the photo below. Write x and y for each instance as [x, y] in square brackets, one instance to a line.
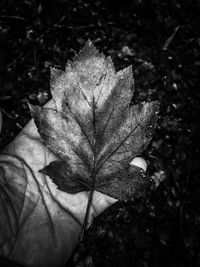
[139, 162]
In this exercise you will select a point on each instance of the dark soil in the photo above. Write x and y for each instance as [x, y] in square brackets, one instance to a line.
[161, 39]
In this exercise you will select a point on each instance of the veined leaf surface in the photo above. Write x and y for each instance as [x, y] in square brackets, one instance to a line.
[93, 128]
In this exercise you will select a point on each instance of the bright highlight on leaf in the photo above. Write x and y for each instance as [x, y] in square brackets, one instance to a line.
[93, 129]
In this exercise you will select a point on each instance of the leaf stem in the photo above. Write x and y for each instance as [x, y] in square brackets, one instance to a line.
[84, 227]
[89, 204]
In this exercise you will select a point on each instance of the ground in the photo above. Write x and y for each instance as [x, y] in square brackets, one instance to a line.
[161, 40]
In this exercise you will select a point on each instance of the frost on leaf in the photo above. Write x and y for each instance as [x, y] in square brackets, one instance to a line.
[92, 127]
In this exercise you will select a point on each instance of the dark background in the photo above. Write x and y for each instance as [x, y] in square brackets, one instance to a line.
[161, 39]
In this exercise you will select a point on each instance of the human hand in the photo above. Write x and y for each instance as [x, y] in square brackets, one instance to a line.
[40, 225]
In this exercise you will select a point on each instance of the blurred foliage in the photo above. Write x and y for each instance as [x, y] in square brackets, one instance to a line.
[161, 39]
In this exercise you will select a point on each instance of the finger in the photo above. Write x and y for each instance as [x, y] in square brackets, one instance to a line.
[99, 204]
[101, 201]
[139, 162]
[0, 121]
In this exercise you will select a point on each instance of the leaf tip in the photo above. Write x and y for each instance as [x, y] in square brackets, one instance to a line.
[88, 50]
[34, 109]
[54, 74]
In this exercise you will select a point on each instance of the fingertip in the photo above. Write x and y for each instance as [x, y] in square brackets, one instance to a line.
[139, 162]
[101, 202]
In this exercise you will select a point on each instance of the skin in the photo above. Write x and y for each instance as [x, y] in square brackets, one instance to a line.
[39, 224]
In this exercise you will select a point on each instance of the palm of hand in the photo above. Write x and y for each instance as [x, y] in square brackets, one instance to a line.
[48, 219]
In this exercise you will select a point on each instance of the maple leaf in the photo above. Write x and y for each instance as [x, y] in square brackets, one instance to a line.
[93, 128]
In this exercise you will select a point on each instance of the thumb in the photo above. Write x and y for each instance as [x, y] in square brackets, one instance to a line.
[139, 162]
